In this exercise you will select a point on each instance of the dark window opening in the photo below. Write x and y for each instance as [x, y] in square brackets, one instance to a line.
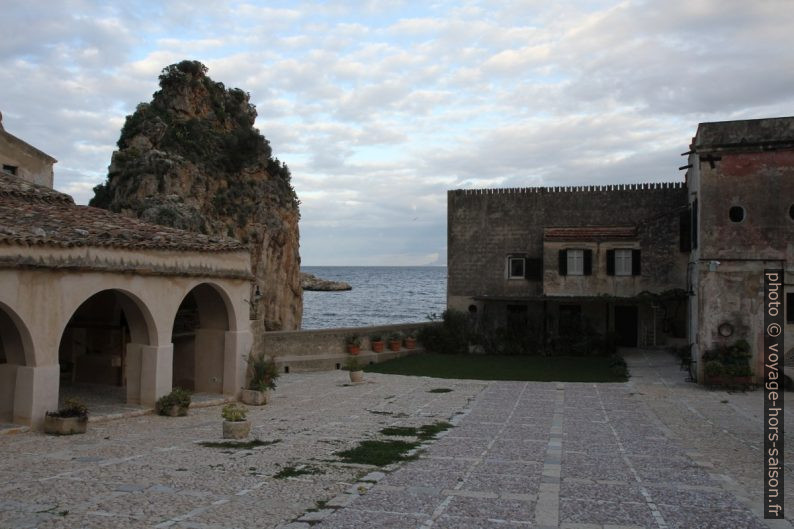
[736, 214]
[516, 267]
[570, 320]
[10, 169]
[685, 230]
[791, 212]
[517, 317]
[695, 224]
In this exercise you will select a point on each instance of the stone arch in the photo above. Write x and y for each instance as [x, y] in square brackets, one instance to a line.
[199, 335]
[16, 350]
[100, 345]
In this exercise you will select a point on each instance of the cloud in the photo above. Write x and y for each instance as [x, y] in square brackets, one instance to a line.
[379, 108]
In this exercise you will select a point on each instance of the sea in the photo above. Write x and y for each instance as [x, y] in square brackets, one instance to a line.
[381, 295]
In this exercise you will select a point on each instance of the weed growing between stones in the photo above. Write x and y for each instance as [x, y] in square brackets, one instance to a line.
[237, 445]
[300, 470]
[379, 453]
[423, 433]
[439, 390]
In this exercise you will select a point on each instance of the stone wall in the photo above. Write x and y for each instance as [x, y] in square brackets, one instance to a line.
[325, 349]
[485, 226]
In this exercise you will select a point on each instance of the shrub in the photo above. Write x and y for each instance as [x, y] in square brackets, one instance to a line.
[263, 373]
[178, 397]
[376, 338]
[352, 364]
[72, 407]
[451, 335]
[234, 412]
[713, 368]
[353, 339]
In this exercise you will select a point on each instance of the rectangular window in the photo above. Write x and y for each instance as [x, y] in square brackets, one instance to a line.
[515, 267]
[622, 262]
[790, 307]
[575, 262]
[10, 169]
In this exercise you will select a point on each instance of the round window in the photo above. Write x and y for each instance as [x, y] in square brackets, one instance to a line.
[736, 214]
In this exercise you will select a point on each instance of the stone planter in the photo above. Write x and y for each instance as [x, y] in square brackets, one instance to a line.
[377, 346]
[65, 425]
[410, 343]
[356, 376]
[254, 397]
[236, 429]
[394, 345]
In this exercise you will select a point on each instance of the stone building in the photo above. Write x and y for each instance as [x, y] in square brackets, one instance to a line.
[92, 297]
[22, 159]
[650, 264]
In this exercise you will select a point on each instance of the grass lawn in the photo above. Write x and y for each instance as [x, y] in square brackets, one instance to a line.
[487, 367]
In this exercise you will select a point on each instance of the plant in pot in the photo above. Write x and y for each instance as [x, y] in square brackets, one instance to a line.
[71, 418]
[175, 404]
[395, 340]
[235, 425]
[410, 340]
[714, 370]
[742, 375]
[353, 343]
[263, 379]
[376, 341]
[353, 366]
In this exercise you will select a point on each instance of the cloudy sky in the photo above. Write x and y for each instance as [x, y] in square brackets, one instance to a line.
[380, 107]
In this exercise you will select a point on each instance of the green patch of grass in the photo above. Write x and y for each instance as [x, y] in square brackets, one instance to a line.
[428, 431]
[494, 367]
[378, 453]
[401, 431]
[439, 390]
[300, 470]
[239, 445]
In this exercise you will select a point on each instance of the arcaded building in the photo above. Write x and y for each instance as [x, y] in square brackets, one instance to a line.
[92, 297]
[648, 264]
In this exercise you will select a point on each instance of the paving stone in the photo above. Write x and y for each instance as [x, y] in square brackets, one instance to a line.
[603, 512]
[709, 518]
[510, 510]
[354, 519]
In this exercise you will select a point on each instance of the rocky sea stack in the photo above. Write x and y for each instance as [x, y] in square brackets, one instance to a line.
[192, 159]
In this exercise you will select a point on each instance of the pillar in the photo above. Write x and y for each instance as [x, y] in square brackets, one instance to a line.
[36, 393]
[237, 347]
[132, 375]
[157, 363]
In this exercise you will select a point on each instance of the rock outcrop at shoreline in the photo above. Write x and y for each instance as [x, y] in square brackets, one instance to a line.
[192, 159]
[314, 283]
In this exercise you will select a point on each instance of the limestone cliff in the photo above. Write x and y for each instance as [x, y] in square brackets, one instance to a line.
[192, 159]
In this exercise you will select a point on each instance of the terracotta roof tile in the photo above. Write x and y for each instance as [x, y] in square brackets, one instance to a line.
[590, 233]
[31, 214]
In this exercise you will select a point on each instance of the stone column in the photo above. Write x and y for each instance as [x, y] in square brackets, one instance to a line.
[133, 372]
[209, 353]
[36, 393]
[8, 381]
[237, 347]
[157, 364]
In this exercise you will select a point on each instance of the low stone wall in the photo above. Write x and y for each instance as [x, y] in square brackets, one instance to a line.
[325, 349]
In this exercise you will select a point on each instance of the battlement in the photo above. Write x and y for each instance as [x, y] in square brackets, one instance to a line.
[647, 186]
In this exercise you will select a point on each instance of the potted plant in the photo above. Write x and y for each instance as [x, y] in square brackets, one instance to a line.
[175, 404]
[376, 341]
[353, 343]
[70, 419]
[263, 379]
[742, 375]
[354, 368]
[714, 369]
[235, 425]
[394, 341]
[410, 340]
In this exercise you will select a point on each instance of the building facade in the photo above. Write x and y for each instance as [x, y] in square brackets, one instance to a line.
[646, 265]
[24, 160]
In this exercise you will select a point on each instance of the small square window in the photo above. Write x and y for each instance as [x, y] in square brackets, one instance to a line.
[790, 307]
[575, 262]
[516, 267]
[622, 262]
[10, 169]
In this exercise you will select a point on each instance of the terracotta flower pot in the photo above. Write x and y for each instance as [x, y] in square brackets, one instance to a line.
[410, 343]
[254, 397]
[65, 425]
[377, 346]
[356, 376]
[236, 429]
[353, 349]
[394, 345]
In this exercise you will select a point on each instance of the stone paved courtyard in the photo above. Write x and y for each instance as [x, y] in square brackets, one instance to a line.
[654, 452]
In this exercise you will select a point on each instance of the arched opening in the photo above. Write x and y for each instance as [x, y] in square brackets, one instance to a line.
[14, 349]
[199, 338]
[97, 354]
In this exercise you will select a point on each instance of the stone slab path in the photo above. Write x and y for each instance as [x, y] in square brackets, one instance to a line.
[654, 452]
